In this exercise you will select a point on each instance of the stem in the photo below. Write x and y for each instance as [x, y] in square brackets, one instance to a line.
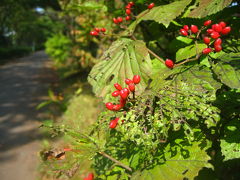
[156, 56]
[116, 161]
[134, 95]
[187, 60]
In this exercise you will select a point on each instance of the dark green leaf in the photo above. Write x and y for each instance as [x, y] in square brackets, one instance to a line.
[227, 69]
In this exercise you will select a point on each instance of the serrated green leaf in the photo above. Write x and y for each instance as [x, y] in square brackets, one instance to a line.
[161, 14]
[166, 13]
[206, 7]
[181, 161]
[189, 51]
[124, 59]
[230, 143]
[227, 69]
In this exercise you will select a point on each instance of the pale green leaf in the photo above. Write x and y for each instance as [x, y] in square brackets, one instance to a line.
[124, 59]
[205, 7]
[161, 14]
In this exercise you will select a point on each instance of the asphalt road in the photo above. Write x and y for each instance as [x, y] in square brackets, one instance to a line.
[23, 85]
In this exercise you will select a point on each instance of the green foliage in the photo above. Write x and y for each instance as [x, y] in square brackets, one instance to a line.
[230, 142]
[189, 51]
[227, 69]
[181, 116]
[59, 47]
[124, 59]
[205, 8]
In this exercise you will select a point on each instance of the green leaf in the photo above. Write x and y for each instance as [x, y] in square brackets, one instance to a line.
[166, 13]
[227, 69]
[206, 7]
[230, 143]
[124, 59]
[180, 161]
[189, 51]
[43, 104]
[161, 14]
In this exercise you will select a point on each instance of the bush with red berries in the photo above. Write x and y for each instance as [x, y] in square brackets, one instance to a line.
[180, 119]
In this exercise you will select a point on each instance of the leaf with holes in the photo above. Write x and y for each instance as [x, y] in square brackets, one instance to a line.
[178, 162]
[124, 59]
[227, 69]
[206, 7]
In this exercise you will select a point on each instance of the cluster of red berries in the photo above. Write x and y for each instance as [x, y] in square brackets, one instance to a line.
[185, 30]
[215, 33]
[96, 31]
[128, 11]
[89, 177]
[123, 93]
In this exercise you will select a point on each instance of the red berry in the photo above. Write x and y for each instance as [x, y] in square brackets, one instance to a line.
[123, 94]
[136, 79]
[183, 32]
[109, 106]
[131, 3]
[115, 20]
[150, 6]
[222, 23]
[128, 11]
[207, 23]
[118, 86]
[97, 29]
[115, 93]
[131, 87]
[226, 30]
[194, 29]
[128, 6]
[128, 18]
[122, 102]
[117, 107]
[119, 19]
[113, 124]
[186, 27]
[209, 31]
[217, 48]
[128, 81]
[126, 90]
[169, 63]
[218, 41]
[103, 30]
[217, 27]
[206, 40]
[207, 50]
[94, 33]
[215, 35]
[90, 176]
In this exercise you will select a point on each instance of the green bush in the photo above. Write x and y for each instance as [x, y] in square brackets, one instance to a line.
[59, 47]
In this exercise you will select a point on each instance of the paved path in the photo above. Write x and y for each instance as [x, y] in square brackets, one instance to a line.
[23, 85]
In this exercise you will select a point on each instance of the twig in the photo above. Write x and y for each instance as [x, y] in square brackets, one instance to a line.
[116, 161]
[156, 56]
[187, 60]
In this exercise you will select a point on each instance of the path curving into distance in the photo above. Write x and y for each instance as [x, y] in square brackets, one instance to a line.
[23, 85]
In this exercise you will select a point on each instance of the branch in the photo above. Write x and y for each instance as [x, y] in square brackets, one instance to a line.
[116, 161]
[156, 56]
